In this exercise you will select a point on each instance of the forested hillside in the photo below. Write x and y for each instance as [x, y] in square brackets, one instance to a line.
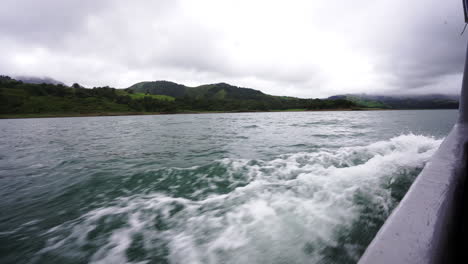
[221, 91]
[19, 98]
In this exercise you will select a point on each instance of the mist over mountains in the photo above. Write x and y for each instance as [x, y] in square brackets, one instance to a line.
[428, 101]
[38, 80]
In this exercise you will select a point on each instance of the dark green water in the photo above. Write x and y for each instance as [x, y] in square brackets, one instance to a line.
[213, 188]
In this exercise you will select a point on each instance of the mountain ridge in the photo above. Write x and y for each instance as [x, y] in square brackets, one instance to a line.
[17, 97]
[210, 91]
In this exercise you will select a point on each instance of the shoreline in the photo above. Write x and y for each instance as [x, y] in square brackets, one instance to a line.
[62, 115]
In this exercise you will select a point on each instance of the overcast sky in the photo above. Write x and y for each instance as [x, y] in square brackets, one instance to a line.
[310, 48]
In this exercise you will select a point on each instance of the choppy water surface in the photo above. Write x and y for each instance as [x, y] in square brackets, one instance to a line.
[305, 187]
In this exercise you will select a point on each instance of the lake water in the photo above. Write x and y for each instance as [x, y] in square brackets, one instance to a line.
[285, 187]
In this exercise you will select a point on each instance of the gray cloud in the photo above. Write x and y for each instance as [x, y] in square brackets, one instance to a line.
[301, 48]
[45, 22]
[428, 45]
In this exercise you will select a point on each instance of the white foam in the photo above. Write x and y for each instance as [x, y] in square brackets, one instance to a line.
[290, 210]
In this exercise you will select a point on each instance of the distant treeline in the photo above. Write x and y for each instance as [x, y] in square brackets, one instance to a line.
[17, 97]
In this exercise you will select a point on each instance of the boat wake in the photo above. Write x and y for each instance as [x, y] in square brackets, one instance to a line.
[323, 206]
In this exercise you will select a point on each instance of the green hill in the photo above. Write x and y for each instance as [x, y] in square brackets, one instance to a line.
[222, 91]
[27, 99]
[160, 88]
[226, 97]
